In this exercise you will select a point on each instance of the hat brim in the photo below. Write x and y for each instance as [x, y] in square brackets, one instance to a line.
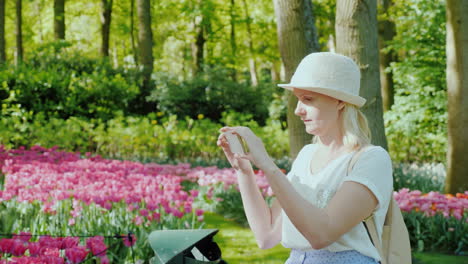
[340, 95]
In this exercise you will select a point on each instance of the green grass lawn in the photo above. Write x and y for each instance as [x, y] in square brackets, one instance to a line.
[238, 245]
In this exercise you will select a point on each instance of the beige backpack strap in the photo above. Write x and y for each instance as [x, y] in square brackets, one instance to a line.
[372, 231]
[369, 222]
[354, 159]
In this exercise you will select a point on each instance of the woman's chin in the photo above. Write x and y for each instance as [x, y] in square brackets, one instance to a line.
[312, 131]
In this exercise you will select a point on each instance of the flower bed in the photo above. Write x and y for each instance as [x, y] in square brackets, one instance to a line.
[433, 203]
[51, 192]
[46, 191]
[56, 250]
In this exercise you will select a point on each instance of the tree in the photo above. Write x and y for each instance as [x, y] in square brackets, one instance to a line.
[132, 31]
[233, 16]
[356, 37]
[106, 17]
[297, 37]
[199, 24]
[2, 32]
[252, 62]
[457, 88]
[145, 43]
[19, 32]
[387, 32]
[59, 19]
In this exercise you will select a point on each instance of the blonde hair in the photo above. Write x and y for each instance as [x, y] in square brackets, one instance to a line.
[356, 132]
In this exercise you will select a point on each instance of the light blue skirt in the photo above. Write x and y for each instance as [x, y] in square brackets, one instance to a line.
[324, 256]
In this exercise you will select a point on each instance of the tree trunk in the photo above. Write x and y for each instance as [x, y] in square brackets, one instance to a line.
[199, 44]
[39, 14]
[252, 61]
[457, 88]
[19, 32]
[356, 37]
[145, 44]
[297, 37]
[106, 17]
[233, 41]
[132, 31]
[387, 32]
[275, 71]
[2, 32]
[197, 49]
[59, 19]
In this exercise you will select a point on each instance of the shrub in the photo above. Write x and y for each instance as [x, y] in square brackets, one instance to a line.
[211, 94]
[425, 177]
[62, 84]
[416, 124]
[165, 139]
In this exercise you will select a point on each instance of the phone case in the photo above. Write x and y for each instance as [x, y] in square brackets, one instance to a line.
[234, 143]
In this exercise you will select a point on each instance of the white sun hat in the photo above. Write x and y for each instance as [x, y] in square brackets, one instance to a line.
[330, 74]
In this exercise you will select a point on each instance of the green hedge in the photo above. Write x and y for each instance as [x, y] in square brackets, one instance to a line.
[155, 137]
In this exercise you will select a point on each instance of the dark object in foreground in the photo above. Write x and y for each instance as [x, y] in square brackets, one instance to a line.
[192, 246]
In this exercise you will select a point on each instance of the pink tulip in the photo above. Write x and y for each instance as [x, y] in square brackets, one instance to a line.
[52, 260]
[50, 242]
[18, 247]
[24, 236]
[194, 193]
[52, 252]
[70, 242]
[199, 212]
[138, 220]
[96, 245]
[144, 212]
[129, 240]
[156, 217]
[5, 245]
[34, 248]
[104, 260]
[76, 254]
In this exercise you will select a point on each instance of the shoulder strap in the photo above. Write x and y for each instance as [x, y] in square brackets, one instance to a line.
[354, 159]
[369, 222]
[371, 228]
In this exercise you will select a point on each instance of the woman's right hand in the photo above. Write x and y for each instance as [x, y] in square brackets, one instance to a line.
[239, 164]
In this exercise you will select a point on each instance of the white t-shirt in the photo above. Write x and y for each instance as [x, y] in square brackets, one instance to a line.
[372, 169]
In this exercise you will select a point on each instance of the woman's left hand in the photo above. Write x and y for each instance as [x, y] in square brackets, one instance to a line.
[257, 152]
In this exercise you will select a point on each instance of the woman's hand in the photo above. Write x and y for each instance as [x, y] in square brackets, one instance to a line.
[257, 154]
[237, 163]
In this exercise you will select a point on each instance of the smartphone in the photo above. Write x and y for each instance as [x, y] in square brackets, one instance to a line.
[234, 143]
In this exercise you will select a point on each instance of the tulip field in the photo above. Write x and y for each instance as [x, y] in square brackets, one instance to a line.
[64, 207]
[49, 192]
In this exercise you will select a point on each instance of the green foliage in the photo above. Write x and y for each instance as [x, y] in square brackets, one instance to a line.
[156, 137]
[22, 129]
[425, 178]
[226, 202]
[211, 94]
[437, 233]
[324, 12]
[416, 124]
[64, 84]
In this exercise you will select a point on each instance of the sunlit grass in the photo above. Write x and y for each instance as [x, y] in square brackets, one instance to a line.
[438, 258]
[238, 243]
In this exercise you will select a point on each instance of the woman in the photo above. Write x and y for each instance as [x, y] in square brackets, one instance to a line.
[319, 207]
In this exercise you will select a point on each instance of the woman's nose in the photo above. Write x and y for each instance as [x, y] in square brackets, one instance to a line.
[299, 109]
